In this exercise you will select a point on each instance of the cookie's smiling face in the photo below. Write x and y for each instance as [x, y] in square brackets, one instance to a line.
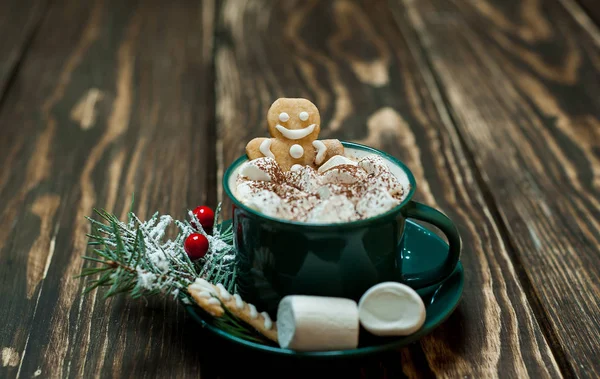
[294, 120]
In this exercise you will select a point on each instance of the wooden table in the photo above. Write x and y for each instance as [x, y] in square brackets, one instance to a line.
[494, 105]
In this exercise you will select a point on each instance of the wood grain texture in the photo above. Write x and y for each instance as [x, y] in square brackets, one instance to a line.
[592, 8]
[522, 80]
[351, 60]
[18, 23]
[113, 98]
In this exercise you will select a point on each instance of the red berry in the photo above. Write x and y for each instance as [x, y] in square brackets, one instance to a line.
[206, 216]
[196, 246]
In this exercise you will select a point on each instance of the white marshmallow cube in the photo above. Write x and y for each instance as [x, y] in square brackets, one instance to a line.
[316, 323]
[391, 309]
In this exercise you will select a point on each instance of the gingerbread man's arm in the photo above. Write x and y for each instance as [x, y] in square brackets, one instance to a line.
[326, 149]
[259, 147]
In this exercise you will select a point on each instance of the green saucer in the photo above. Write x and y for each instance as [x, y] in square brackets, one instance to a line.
[421, 249]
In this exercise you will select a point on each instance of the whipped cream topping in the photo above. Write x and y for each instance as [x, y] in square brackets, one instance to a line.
[341, 190]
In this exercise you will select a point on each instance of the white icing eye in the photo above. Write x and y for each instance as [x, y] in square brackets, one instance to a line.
[303, 116]
[283, 117]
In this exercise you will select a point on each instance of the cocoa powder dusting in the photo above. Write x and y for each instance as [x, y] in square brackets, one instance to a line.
[304, 189]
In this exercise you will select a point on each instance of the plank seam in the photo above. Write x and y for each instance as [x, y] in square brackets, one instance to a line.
[218, 41]
[417, 49]
[13, 74]
[213, 171]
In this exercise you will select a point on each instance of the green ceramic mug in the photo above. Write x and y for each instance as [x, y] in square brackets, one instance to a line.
[278, 257]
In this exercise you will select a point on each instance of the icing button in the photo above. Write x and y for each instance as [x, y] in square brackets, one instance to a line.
[296, 151]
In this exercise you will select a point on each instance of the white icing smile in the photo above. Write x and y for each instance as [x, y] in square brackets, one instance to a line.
[295, 133]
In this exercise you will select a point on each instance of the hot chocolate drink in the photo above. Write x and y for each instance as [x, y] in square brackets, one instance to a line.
[340, 190]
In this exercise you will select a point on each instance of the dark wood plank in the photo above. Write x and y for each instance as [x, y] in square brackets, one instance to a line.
[522, 79]
[18, 23]
[351, 60]
[113, 98]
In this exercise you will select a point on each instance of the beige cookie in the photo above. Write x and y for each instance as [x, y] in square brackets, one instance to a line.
[212, 298]
[294, 125]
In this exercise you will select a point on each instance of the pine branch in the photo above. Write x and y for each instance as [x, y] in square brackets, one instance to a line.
[132, 258]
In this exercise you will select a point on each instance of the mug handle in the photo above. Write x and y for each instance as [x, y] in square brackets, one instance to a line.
[425, 213]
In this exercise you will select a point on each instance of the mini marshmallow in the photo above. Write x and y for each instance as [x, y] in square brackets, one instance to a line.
[385, 180]
[343, 174]
[299, 207]
[261, 169]
[287, 191]
[373, 164]
[253, 172]
[334, 209]
[324, 192]
[374, 202]
[336, 160]
[246, 189]
[304, 178]
[264, 201]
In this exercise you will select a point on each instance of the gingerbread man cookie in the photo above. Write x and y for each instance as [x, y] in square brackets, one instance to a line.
[294, 125]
